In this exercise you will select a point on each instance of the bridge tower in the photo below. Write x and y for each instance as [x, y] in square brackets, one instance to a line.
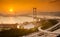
[34, 14]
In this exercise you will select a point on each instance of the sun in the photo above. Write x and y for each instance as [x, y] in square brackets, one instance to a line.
[11, 10]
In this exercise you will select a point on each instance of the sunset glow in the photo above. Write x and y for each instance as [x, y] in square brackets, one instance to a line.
[25, 6]
[11, 10]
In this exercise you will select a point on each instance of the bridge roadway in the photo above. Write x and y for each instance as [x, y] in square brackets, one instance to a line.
[47, 32]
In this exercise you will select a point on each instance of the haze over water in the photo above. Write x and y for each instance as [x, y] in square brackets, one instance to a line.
[13, 20]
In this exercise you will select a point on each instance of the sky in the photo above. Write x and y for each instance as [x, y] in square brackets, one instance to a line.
[25, 6]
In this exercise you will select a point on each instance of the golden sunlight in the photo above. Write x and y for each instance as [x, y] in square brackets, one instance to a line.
[11, 10]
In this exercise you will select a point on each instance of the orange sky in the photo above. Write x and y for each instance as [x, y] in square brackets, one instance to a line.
[25, 6]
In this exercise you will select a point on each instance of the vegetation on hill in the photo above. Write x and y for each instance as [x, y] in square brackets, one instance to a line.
[48, 23]
[16, 32]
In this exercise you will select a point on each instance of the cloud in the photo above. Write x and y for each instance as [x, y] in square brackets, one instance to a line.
[53, 1]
